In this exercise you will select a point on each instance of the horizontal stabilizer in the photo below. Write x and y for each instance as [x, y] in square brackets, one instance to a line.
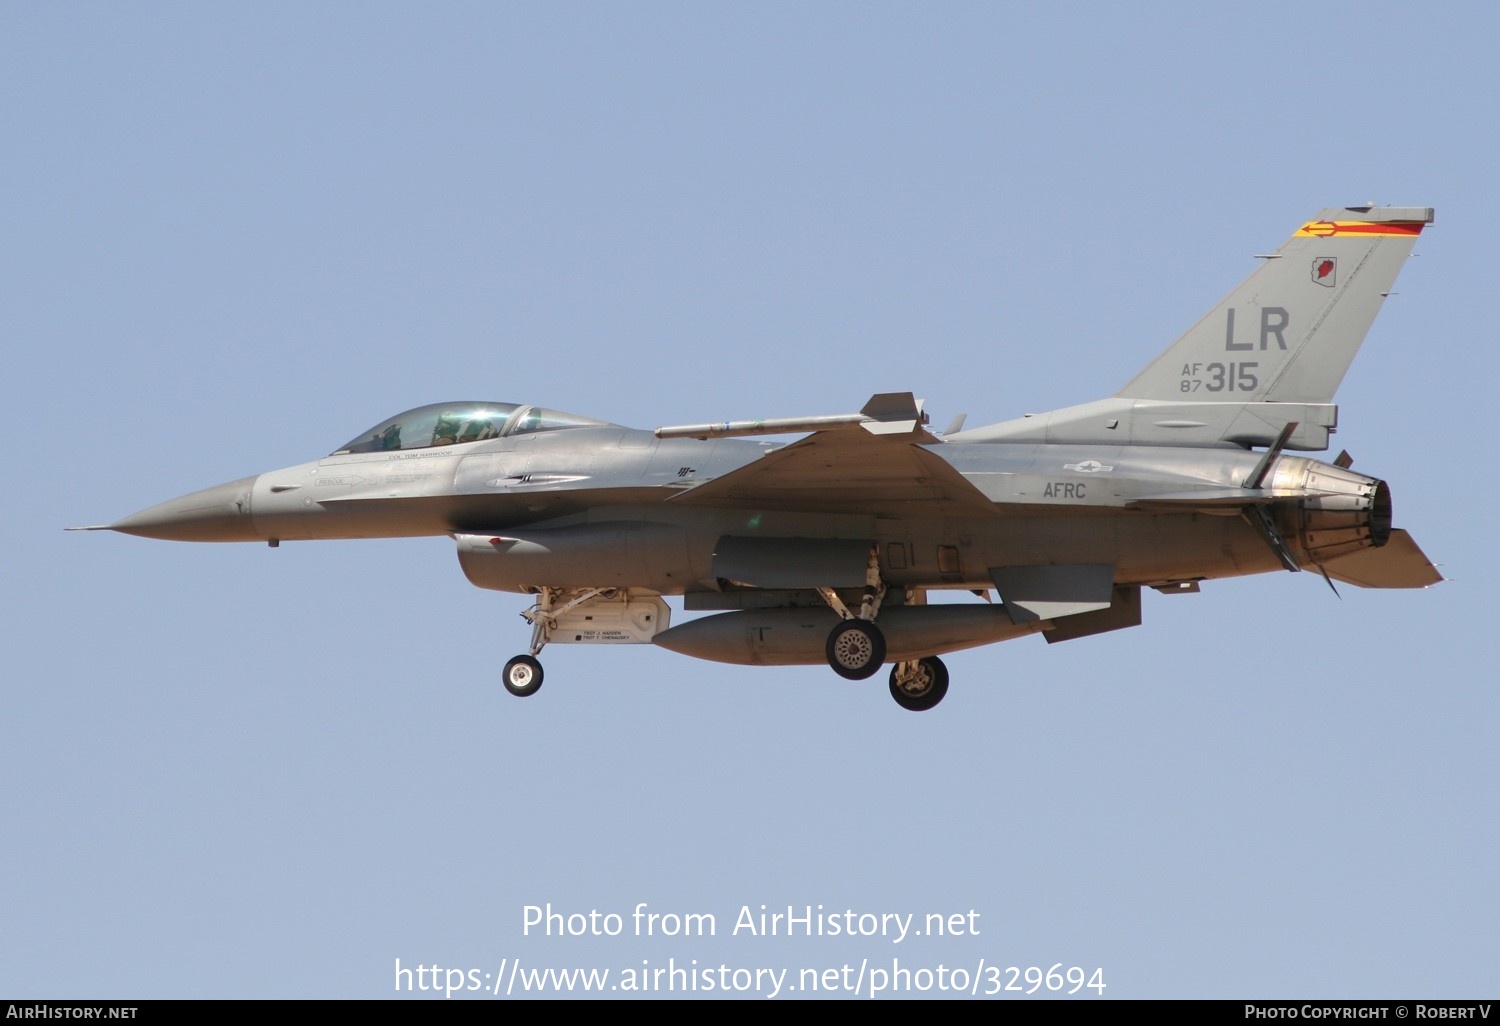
[1399, 563]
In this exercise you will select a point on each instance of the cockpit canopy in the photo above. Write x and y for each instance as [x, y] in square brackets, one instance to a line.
[455, 423]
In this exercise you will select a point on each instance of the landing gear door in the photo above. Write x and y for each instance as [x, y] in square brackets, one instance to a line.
[623, 618]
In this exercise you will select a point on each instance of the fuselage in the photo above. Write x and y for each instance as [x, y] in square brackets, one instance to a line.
[597, 504]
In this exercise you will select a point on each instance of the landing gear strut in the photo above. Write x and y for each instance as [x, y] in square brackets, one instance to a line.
[856, 647]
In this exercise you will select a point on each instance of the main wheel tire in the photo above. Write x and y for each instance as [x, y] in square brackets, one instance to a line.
[522, 676]
[922, 689]
[855, 649]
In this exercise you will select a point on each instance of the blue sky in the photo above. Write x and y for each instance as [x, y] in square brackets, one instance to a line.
[236, 235]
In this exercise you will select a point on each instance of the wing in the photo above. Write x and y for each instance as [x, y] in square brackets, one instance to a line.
[872, 463]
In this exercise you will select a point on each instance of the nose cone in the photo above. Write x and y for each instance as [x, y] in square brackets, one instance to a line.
[220, 513]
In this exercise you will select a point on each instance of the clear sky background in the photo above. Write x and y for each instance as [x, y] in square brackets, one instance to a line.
[235, 235]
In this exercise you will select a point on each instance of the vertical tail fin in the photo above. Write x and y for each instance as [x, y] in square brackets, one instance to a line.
[1289, 331]
[1261, 368]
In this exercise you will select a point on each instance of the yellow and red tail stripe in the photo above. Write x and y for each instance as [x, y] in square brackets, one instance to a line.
[1326, 229]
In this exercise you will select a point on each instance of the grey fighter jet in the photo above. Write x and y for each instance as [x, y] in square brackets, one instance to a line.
[827, 548]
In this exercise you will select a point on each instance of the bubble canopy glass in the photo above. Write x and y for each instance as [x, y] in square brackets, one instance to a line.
[456, 423]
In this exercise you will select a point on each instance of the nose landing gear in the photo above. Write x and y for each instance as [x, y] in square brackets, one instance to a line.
[522, 676]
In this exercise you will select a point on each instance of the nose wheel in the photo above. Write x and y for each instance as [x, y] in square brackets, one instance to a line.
[522, 676]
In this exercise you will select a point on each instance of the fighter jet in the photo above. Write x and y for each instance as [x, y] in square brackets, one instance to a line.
[827, 548]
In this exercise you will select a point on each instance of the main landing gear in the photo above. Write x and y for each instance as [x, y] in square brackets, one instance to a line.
[920, 684]
[856, 646]
[855, 649]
